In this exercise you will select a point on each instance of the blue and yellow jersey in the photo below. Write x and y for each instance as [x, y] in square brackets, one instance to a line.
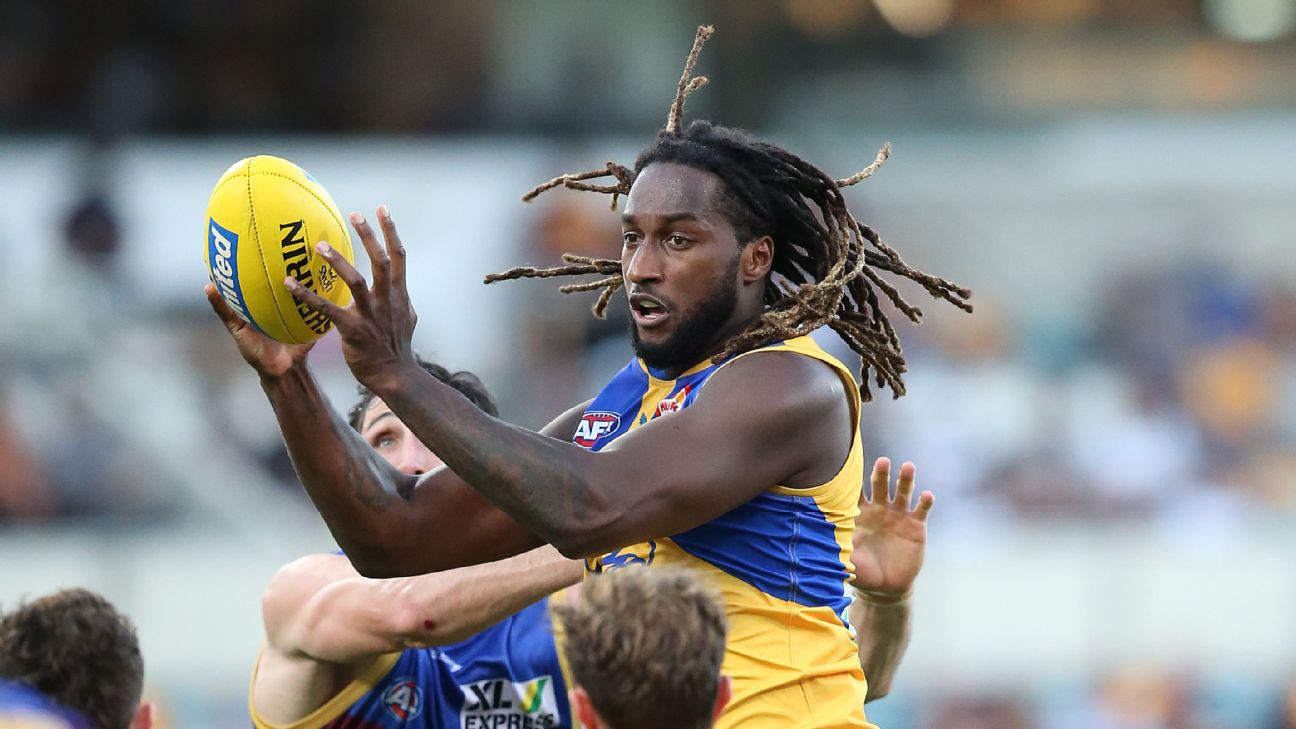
[508, 675]
[23, 707]
[781, 563]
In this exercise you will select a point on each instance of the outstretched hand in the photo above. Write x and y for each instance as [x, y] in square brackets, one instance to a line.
[377, 329]
[890, 538]
[270, 358]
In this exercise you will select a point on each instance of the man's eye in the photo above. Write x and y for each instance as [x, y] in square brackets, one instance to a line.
[631, 238]
[677, 240]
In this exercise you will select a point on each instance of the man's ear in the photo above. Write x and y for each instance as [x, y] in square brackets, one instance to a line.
[583, 708]
[755, 260]
[724, 692]
[143, 717]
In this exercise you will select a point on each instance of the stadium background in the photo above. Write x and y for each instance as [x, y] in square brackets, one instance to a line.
[1111, 438]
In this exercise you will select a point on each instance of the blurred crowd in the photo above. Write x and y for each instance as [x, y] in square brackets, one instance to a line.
[150, 66]
[1176, 400]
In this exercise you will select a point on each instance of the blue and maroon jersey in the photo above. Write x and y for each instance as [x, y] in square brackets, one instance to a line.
[508, 676]
[23, 707]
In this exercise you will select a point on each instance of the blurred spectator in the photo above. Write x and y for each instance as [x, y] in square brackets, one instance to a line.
[1143, 698]
[1284, 712]
[25, 491]
[568, 351]
[980, 712]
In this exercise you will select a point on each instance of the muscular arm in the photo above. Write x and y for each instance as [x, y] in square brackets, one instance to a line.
[320, 608]
[765, 419]
[667, 476]
[443, 524]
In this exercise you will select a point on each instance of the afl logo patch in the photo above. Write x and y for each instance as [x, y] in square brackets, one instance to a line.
[403, 699]
[594, 426]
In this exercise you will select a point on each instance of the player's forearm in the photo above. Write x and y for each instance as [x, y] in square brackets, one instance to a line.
[351, 486]
[453, 605]
[882, 629]
[546, 485]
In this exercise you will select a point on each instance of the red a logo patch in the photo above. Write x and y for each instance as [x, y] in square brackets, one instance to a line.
[403, 699]
[594, 426]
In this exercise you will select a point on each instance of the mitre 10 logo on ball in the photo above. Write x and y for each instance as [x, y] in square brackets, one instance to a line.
[594, 426]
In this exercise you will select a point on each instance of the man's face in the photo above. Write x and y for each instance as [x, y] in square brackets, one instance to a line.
[680, 257]
[385, 433]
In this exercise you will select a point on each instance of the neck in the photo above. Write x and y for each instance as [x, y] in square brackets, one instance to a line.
[737, 324]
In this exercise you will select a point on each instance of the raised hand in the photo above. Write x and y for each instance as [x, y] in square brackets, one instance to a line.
[376, 330]
[890, 538]
[270, 358]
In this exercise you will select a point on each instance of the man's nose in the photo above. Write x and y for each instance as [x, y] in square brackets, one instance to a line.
[644, 264]
[414, 458]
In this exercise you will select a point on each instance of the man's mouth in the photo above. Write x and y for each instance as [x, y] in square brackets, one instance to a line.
[647, 311]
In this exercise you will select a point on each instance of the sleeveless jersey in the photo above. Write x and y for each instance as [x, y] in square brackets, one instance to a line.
[23, 707]
[508, 676]
[781, 562]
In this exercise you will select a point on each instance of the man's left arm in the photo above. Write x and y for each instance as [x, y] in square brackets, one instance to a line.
[670, 475]
[889, 545]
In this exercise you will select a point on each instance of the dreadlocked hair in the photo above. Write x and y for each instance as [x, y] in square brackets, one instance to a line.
[827, 267]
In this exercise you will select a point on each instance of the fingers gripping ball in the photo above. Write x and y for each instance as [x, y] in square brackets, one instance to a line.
[263, 221]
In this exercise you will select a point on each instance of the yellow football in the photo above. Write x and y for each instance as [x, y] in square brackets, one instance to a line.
[263, 221]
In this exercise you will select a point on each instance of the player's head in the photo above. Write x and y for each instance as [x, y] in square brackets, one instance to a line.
[75, 648]
[385, 432]
[798, 261]
[695, 262]
[645, 647]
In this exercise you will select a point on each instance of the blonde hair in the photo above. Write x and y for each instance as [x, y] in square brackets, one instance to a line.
[646, 645]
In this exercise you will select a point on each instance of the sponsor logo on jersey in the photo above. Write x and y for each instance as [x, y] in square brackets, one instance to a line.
[667, 406]
[503, 704]
[674, 404]
[441, 655]
[403, 699]
[594, 426]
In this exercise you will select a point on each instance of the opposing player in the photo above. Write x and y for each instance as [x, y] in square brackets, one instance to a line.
[78, 651]
[661, 669]
[466, 647]
[729, 446]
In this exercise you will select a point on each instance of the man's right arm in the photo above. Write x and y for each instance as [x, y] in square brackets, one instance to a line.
[320, 608]
[443, 524]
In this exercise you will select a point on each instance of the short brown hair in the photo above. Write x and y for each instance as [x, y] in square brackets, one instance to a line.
[646, 645]
[74, 647]
[465, 382]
